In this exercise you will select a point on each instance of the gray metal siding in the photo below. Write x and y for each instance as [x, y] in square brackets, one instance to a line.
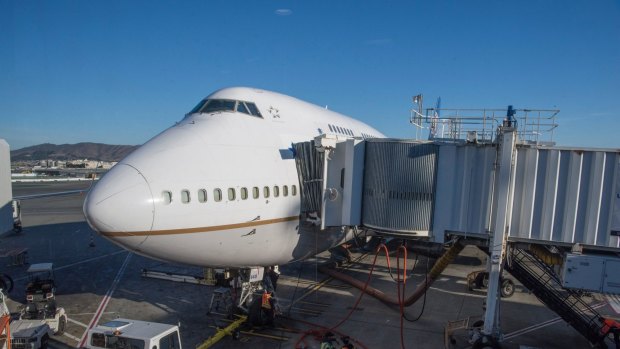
[399, 186]
[570, 194]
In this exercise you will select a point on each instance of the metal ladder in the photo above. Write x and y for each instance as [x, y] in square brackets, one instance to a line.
[542, 280]
[221, 296]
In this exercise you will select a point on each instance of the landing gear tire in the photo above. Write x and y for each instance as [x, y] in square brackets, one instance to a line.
[508, 288]
[6, 283]
[257, 316]
[486, 342]
[44, 342]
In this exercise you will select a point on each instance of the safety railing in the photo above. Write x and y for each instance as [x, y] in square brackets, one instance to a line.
[481, 125]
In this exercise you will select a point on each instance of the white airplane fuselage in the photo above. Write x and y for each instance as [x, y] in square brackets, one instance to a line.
[153, 201]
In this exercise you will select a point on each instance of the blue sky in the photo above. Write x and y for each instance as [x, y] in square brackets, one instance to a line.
[120, 72]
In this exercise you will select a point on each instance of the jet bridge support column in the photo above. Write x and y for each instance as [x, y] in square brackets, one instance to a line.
[497, 246]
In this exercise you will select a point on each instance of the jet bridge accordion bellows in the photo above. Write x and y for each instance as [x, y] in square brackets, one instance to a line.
[399, 186]
[309, 164]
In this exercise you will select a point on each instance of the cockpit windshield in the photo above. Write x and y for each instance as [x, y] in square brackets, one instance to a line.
[215, 105]
[223, 105]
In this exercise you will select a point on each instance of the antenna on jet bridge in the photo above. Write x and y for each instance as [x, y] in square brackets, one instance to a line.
[416, 117]
[432, 129]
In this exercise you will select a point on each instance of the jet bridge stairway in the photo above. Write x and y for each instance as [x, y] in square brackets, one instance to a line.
[542, 280]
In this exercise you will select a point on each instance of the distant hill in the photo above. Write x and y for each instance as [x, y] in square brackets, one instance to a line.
[91, 151]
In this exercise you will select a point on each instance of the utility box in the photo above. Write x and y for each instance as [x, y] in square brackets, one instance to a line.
[591, 273]
[611, 278]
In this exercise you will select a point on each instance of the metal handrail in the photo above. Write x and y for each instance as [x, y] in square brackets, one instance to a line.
[481, 125]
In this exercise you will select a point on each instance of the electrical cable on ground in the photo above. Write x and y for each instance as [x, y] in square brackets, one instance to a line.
[424, 299]
[333, 328]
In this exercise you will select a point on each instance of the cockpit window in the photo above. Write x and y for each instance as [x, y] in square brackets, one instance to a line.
[198, 106]
[215, 105]
[241, 108]
[218, 105]
[253, 110]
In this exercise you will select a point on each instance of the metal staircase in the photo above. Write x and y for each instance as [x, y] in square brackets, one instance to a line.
[542, 280]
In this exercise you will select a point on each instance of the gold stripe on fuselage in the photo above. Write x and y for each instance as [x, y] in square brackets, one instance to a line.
[201, 229]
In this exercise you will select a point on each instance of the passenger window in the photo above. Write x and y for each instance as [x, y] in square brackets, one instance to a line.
[330, 127]
[253, 110]
[276, 191]
[266, 192]
[217, 195]
[241, 108]
[293, 190]
[244, 193]
[202, 195]
[185, 196]
[255, 193]
[167, 197]
[285, 190]
[231, 194]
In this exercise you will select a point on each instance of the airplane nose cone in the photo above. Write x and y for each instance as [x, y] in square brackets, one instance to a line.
[121, 202]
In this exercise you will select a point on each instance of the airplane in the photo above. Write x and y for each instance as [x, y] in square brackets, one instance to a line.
[220, 187]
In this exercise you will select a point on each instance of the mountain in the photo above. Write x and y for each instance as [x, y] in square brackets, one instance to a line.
[91, 151]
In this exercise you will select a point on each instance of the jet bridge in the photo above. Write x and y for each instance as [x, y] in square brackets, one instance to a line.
[431, 189]
[494, 179]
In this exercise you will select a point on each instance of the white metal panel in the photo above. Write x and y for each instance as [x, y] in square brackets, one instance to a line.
[594, 198]
[572, 197]
[464, 189]
[549, 193]
[333, 186]
[6, 191]
[526, 171]
[444, 191]
[353, 182]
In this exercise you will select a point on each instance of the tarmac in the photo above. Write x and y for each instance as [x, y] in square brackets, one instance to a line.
[98, 281]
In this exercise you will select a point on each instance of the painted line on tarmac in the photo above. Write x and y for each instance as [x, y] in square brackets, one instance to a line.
[541, 325]
[614, 302]
[71, 336]
[77, 323]
[106, 299]
[82, 314]
[77, 263]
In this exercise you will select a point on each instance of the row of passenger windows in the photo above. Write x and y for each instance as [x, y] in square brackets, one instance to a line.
[232, 194]
[364, 135]
[341, 130]
[219, 105]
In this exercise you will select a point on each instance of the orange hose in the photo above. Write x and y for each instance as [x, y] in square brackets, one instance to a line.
[437, 269]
